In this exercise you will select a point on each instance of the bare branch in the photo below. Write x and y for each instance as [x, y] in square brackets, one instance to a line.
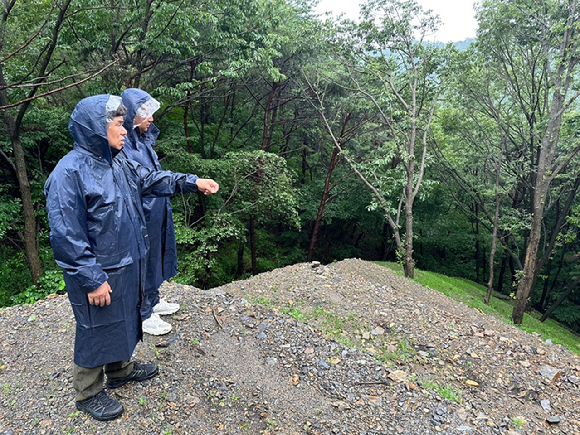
[32, 85]
[10, 162]
[92, 76]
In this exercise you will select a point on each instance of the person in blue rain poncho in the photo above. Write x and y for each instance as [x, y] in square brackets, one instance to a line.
[99, 238]
[162, 255]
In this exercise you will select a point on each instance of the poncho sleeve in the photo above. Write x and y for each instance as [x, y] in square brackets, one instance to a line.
[67, 214]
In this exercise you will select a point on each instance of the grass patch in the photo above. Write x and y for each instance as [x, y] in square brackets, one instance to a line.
[518, 423]
[261, 300]
[329, 323]
[472, 294]
[296, 313]
[402, 352]
[448, 392]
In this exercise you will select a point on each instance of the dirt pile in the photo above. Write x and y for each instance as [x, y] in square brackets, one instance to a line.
[346, 348]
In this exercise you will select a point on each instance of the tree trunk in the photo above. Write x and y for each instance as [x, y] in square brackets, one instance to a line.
[554, 281]
[201, 198]
[140, 59]
[513, 278]
[495, 225]
[359, 239]
[323, 201]
[541, 187]
[253, 243]
[334, 158]
[409, 261]
[562, 298]
[186, 111]
[540, 305]
[560, 221]
[227, 101]
[385, 239]
[203, 120]
[240, 271]
[409, 265]
[501, 275]
[202, 131]
[477, 242]
[525, 284]
[29, 236]
[270, 112]
[492, 253]
[549, 163]
[304, 164]
[186, 125]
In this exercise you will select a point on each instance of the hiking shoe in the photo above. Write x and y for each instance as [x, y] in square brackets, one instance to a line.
[164, 308]
[101, 407]
[155, 326]
[140, 373]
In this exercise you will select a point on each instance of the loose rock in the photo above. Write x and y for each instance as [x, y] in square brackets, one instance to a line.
[350, 348]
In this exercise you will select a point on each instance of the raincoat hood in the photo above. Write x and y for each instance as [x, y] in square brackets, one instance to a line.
[88, 124]
[133, 99]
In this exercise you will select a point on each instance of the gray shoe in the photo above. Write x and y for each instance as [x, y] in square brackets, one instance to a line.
[141, 372]
[155, 326]
[164, 308]
[101, 407]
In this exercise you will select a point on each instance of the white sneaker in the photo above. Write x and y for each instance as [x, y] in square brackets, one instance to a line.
[155, 326]
[163, 308]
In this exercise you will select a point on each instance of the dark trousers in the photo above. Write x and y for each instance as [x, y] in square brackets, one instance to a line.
[88, 382]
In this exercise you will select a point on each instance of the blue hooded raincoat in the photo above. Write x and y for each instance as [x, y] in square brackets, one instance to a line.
[98, 233]
[162, 256]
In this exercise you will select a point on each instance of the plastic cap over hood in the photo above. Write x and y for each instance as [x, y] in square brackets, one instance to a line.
[139, 103]
[88, 124]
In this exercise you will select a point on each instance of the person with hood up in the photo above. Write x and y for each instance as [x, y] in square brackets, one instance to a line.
[162, 255]
[99, 239]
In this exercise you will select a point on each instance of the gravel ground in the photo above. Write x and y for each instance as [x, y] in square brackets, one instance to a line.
[348, 348]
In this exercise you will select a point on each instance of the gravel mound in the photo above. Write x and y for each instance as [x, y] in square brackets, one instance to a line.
[348, 348]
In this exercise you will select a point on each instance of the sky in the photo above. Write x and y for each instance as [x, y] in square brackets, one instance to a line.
[457, 15]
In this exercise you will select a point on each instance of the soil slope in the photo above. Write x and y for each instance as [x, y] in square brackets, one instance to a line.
[348, 348]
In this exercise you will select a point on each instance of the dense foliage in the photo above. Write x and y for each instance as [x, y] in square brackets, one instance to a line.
[329, 139]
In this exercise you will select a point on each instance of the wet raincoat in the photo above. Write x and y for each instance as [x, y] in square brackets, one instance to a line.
[161, 262]
[98, 233]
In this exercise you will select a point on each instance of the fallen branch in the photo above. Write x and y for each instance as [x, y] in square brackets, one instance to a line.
[217, 319]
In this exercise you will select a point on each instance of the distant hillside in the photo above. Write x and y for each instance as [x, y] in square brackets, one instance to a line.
[460, 45]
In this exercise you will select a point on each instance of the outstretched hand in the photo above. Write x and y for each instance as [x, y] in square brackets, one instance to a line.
[207, 185]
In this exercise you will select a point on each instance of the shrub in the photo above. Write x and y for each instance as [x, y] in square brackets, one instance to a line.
[49, 283]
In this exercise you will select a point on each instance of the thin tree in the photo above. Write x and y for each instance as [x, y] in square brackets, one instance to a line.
[527, 39]
[396, 70]
[21, 90]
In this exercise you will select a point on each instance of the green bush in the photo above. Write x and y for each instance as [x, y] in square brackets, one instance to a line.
[50, 282]
[14, 275]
